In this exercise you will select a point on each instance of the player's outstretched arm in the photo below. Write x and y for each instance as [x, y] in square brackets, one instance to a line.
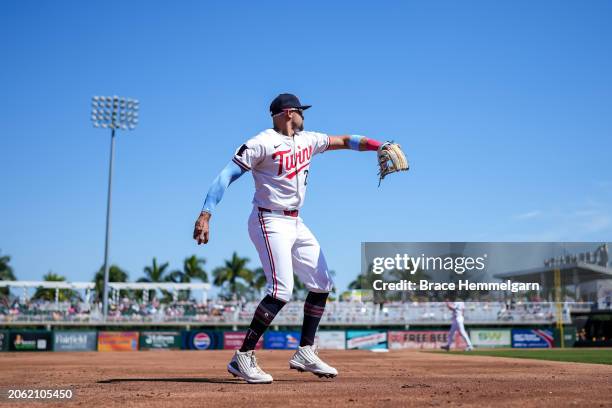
[228, 175]
[353, 142]
[390, 156]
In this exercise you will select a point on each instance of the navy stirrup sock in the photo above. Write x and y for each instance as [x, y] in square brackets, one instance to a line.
[314, 306]
[264, 314]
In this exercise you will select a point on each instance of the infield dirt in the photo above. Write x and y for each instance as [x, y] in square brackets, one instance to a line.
[398, 378]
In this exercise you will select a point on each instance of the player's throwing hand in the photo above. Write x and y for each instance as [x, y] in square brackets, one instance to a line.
[200, 232]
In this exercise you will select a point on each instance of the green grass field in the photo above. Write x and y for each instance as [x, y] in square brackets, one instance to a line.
[576, 355]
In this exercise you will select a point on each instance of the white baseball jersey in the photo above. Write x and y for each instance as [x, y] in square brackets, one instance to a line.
[458, 309]
[280, 166]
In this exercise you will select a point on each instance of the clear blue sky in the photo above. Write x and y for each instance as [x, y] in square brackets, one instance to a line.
[504, 109]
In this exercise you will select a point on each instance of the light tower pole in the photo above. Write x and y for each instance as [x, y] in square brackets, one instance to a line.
[114, 113]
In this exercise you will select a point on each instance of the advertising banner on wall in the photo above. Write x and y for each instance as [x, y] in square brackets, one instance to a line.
[569, 336]
[331, 339]
[117, 341]
[233, 340]
[75, 340]
[422, 339]
[532, 338]
[366, 339]
[4, 340]
[24, 340]
[281, 340]
[203, 340]
[160, 340]
[490, 337]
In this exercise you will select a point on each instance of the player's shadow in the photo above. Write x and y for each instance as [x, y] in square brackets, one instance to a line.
[180, 379]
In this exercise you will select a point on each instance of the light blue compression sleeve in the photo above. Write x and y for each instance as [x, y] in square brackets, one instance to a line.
[230, 173]
[354, 141]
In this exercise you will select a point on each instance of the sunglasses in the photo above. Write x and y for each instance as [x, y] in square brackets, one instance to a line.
[299, 112]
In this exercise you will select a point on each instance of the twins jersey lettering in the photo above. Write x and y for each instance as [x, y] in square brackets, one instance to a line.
[280, 166]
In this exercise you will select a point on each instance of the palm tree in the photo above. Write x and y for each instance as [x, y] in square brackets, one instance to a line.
[259, 279]
[192, 269]
[115, 274]
[363, 281]
[49, 294]
[154, 273]
[406, 274]
[257, 283]
[6, 273]
[234, 277]
[366, 282]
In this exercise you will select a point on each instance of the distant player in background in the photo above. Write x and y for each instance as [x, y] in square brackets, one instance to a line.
[457, 308]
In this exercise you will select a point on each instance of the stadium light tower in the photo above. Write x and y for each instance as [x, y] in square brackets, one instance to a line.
[112, 112]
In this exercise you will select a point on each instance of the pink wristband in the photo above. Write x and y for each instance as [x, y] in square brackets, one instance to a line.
[372, 144]
[357, 142]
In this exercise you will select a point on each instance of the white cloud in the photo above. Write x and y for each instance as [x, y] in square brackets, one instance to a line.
[597, 223]
[528, 215]
[585, 223]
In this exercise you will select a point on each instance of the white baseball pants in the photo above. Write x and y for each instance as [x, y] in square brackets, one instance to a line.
[457, 324]
[286, 245]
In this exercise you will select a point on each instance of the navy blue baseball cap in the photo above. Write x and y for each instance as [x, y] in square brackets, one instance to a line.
[286, 101]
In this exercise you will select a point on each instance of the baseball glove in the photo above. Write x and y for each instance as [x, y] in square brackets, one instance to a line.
[391, 158]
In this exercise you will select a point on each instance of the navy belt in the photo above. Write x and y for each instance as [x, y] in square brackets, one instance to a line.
[289, 213]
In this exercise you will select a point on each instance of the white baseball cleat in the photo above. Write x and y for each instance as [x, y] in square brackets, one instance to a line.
[469, 349]
[244, 365]
[306, 359]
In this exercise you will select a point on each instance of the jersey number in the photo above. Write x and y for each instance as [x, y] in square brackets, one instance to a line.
[305, 177]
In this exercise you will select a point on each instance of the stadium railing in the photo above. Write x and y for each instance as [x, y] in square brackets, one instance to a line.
[240, 313]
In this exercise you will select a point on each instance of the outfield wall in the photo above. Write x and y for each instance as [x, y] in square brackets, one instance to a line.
[203, 339]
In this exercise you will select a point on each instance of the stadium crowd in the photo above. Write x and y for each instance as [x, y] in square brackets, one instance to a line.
[240, 312]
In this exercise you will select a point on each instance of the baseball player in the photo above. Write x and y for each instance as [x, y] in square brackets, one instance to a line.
[457, 324]
[279, 160]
